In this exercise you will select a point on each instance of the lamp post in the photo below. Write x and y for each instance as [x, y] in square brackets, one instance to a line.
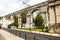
[26, 4]
[30, 17]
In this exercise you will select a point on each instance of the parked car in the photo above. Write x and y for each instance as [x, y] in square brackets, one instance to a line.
[9, 26]
[0, 26]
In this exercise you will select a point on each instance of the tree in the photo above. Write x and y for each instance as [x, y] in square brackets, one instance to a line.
[38, 21]
[1, 17]
[15, 21]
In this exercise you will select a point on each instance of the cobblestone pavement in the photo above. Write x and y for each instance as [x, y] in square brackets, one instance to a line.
[8, 36]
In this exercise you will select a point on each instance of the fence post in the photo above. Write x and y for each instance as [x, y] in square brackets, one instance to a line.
[49, 39]
[34, 37]
[25, 36]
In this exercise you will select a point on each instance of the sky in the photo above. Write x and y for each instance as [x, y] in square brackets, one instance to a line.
[10, 6]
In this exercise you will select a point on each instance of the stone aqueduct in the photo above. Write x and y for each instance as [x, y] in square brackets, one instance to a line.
[50, 10]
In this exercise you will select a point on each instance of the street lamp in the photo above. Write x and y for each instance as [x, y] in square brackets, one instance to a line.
[26, 4]
[30, 19]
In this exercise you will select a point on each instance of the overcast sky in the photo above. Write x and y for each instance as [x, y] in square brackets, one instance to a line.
[10, 6]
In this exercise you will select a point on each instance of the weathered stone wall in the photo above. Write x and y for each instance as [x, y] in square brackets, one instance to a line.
[51, 7]
[43, 9]
[54, 11]
[52, 16]
[58, 13]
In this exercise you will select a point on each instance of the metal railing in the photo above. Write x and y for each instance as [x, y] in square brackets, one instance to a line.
[31, 36]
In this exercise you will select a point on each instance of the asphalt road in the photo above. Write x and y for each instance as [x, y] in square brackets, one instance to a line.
[1, 37]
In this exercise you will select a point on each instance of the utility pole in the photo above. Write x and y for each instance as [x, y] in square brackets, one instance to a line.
[30, 17]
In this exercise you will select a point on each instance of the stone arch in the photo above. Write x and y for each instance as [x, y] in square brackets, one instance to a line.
[35, 12]
[43, 14]
[23, 19]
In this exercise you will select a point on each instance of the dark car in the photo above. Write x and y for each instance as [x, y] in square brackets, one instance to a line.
[0, 26]
[9, 26]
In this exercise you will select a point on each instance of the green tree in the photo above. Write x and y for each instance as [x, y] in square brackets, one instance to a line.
[38, 21]
[15, 21]
[1, 17]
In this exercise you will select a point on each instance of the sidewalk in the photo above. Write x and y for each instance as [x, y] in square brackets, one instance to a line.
[9, 36]
[1, 37]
